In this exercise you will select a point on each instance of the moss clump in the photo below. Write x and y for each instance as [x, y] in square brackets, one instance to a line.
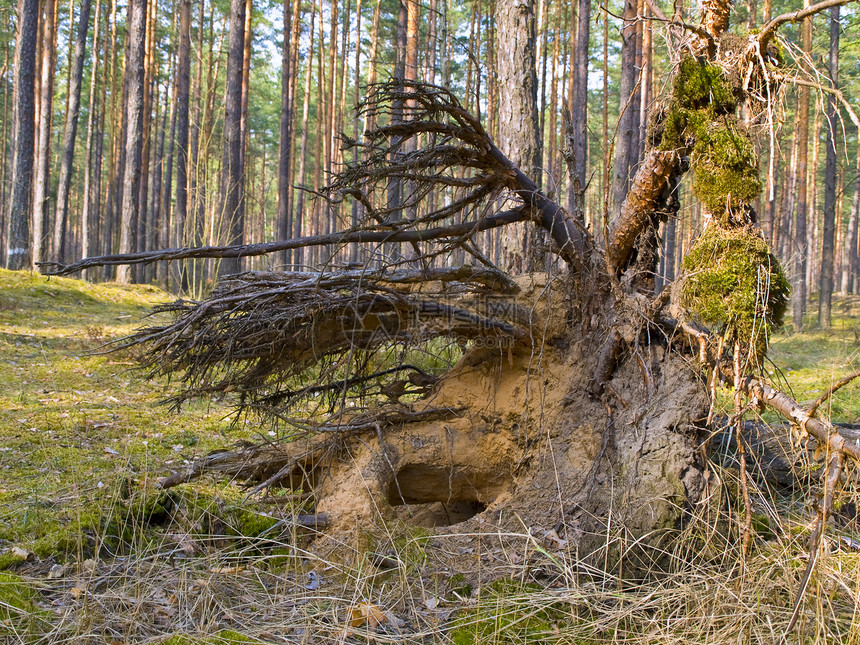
[736, 286]
[726, 170]
[699, 121]
[702, 86]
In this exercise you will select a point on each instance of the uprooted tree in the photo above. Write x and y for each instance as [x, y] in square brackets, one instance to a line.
[573, 403]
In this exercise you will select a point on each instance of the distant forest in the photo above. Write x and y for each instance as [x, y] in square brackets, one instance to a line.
[171, 123]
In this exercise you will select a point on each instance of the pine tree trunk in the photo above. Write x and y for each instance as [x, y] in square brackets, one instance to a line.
[231, 167]
[43, 146]
[799, 284]
[579, 110]
[829, 228]
[89, 168]
[141, 274]
[183, 93]
[70, 133]
[298, 230]
[518, 122]
[163, 221]
[285, 143]
[133, 143]
[849, 253]
[357, 209]
[19, 254]
[628, 121]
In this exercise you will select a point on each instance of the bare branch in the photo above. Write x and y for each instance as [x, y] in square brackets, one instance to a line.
[824, 88]
[404, 234]
[823, 431]
[769, 30]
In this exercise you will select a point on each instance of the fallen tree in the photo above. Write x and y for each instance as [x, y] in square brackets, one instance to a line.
[575, 404]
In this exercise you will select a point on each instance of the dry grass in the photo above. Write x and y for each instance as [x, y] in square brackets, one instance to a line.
[112, 560]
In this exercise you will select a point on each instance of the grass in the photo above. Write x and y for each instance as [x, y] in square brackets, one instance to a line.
[92, 552]
[811, 361]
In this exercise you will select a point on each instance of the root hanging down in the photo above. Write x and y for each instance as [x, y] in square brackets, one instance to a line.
[277, 340]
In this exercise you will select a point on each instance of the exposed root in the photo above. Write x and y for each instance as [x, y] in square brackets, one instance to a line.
[270, 464]
[259, 334]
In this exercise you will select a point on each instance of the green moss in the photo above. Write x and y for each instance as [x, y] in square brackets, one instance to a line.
[459, 586]
[224, 637]
[699, 121]
[726, 171]
[15, 596]
[700, 85]
[510, 612]
[243, 522]
[736, 286]
[18, 610]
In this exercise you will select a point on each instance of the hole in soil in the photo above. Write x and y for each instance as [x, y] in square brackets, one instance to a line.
[429, 496]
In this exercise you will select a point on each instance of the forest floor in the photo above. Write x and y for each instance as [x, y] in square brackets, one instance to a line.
[92, 551]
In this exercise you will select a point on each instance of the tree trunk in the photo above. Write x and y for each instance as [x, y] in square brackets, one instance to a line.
[183, 93]
[799, 284]
[163, 220]
[579, 109]
[628, 121]
[327, 214]
[518, 122]
[232, 196]
[90, 161]
[829, 230]
[147, 129]
[43, 148]
[70, 131]
[285, 143]
[19, 254]
[303, 151]
[107, 211]
[849, 255]
[134, 118]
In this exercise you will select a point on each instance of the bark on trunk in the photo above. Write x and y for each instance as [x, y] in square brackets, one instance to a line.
[518, 122]
[43, 147]
[849, 256]
[70, 133]
[579, 108]
[799, 282]
[91, 166]
[183, 93]
[284, 224]
[628, 121]
[231, 169]
[19, 254]
[827, 250]
[303, 150]
[133, 142]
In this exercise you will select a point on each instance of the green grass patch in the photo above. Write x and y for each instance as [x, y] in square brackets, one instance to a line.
[509, 612]
[84, 434]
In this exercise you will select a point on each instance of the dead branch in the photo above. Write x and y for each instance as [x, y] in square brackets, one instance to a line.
[835, 92]
[390, 234]
[824, 431]
[769, 30]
